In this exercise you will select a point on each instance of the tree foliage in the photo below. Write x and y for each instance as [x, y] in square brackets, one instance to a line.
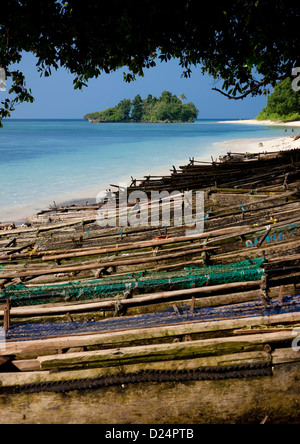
[167, 108]
[235, 41]
[283, 104]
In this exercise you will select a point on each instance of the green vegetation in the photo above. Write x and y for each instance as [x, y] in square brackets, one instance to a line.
[283, 104]
[234, 42]
[166, 108]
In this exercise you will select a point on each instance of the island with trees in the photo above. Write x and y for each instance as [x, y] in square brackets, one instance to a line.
[168, 108]
[283, 104]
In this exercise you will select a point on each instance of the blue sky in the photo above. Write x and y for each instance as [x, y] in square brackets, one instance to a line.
[55, 96]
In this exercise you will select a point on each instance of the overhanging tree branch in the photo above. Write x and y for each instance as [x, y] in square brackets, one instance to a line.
[230, 39]
[255, 90]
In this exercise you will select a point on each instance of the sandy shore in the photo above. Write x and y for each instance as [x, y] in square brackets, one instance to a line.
[261, 145]
[295, 124]
[258, 145]
[221, 148]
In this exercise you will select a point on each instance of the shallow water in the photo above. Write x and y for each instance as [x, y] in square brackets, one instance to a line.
[42, 161]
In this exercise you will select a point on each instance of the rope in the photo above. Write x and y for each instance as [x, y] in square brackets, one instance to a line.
[146, 376]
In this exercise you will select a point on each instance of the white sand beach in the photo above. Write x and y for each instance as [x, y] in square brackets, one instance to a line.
[265, 144]
[258, 145]
[295, 124]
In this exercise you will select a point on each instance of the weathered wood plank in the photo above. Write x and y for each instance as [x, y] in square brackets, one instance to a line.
[32, 373]
[163, 352]
[35, 348]
[286, 355]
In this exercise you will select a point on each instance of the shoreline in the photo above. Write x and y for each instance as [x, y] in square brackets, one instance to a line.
[255, 145]
[295, 124]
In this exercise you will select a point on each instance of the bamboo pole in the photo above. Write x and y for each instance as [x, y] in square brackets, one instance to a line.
[97, 266]
[47, 227]
[289, 258]
[117, 248]
[235, 231]
[148, 299]
[35, 348]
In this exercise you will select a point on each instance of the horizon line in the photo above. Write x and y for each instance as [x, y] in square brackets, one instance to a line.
[78, 118]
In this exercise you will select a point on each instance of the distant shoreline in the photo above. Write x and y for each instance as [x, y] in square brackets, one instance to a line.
[295, 124]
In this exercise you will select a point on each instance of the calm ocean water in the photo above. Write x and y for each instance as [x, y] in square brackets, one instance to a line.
[42, 161]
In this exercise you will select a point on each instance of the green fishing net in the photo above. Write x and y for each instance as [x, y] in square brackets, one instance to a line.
[140, 283]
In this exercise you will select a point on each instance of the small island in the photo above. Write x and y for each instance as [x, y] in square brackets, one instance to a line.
[168, 108]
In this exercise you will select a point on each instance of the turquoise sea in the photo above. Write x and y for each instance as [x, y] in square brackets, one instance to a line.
[42, 161]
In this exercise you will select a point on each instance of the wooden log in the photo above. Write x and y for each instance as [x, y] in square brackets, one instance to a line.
[96, 266]
[133, 310]
[235, 233]
[148, 299]
[217, 215]
[30, 365]
[255, 331]
[2, 283]
[230, 401]
[11, 243]
[47, 227]
[6, 316]
[253, 252]
[97, 235]
[163, 352]
[33, 374]
[290, 258]
[39, 347]
[160, 242]
[143, 244]
[118, 248]
[264, 237]
[285, 355]
[4, 360]
[262, 201]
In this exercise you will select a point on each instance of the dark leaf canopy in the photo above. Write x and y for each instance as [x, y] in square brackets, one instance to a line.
[231, 40]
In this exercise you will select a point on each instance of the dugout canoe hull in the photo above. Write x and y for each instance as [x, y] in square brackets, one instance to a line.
[245, 400]
[242, 377]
